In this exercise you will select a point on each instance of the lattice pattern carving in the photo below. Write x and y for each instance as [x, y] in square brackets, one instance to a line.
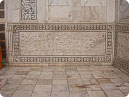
[29, 9]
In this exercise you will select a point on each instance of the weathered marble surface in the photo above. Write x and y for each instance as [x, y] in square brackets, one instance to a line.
[123, 11]
[63, 43]
[62, 11]
[45, 43]
[122, 47]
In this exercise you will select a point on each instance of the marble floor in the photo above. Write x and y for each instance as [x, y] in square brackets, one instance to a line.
[67, 81]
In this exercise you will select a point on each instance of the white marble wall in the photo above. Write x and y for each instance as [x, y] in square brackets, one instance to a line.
[90, 11]
[60, 31]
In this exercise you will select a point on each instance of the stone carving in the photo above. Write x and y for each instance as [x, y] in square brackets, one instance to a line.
[60, 43]
[29, 9]
[122, 47]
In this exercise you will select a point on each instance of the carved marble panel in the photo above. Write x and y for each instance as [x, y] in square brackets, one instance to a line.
[122, 47]
[28, 9]
[62, 42]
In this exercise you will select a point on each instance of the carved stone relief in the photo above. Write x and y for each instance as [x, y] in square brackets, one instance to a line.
[122, 47]
[63, 43]
[28, 9]
[40, 43]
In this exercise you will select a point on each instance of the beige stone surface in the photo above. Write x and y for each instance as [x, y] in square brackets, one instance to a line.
[68, 87]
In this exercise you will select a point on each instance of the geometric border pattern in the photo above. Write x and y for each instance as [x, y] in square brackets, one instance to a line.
[119, 62]
[17, 28]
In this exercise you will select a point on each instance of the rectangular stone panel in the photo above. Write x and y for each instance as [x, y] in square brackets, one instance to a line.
[62, 43]
[59, 2]
[93, 2]
[59, 13]
[122, 46]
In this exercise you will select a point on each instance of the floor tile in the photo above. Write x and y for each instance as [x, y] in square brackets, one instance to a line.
[41, 94]
[108, 87]
[114, 93]
[79, 94]
[29, 81]
[22, 94]
[7, 93]
[60, 82]
[41, 88]
[45, 82]
[26, 88]
[104, 81]
[97, 94]
[60, 88]
[60, 94]
[93, 88]
[9, 87]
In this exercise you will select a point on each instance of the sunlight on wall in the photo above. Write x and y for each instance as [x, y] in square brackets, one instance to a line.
[1, 1]
[127, 1]
[1, 95]
[128, 95]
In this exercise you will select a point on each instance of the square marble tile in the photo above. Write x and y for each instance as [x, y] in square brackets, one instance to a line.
[7, 93]
[93, 88]
[41, 94]
[44, 88]
[97, 94]
[21, 73]
[29, 82]
[75, 81]
[79, 94]
[60, 88]
[26, 88]
[60, 94]
[45, 82]
[104, 81]
[108, 87]
[59, 76]
[9, 87]
[59, 81]
[22, 94]
[77, 87]
[115, 93]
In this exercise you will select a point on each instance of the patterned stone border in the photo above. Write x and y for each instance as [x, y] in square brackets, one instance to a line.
[16, 28]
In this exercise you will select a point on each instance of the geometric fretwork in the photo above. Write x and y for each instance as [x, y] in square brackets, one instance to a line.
[28, 9]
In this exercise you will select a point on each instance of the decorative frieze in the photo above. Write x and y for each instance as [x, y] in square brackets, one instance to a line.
[52, 43]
